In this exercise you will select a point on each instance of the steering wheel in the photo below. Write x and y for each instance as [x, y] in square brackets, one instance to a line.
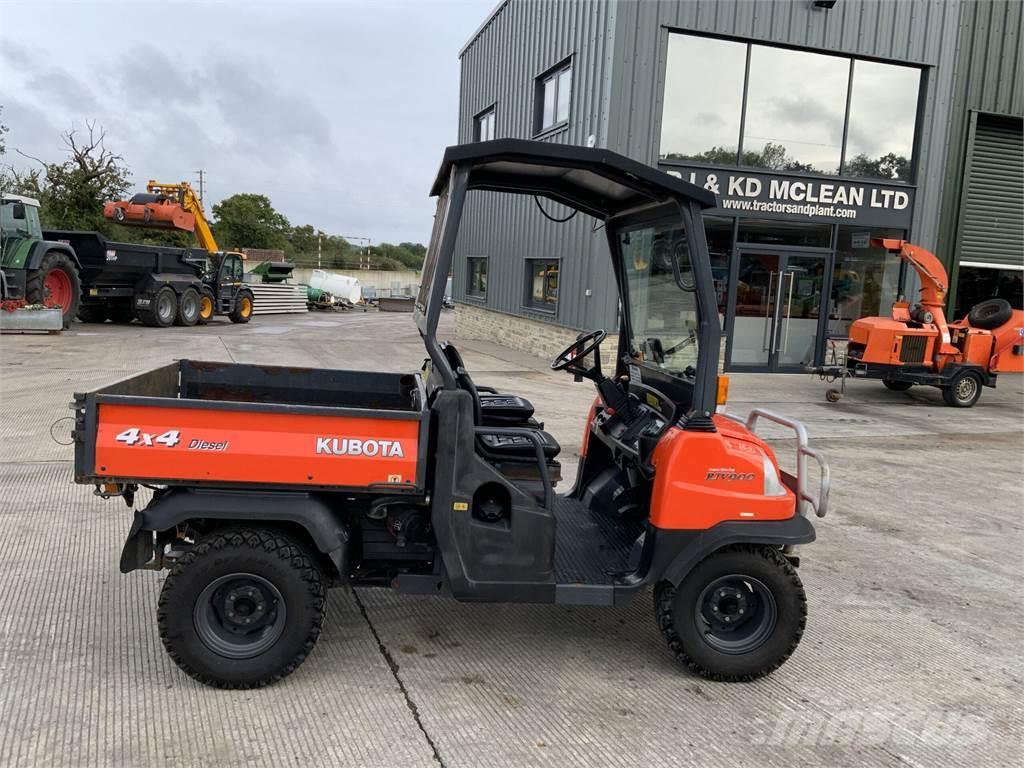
[566, 360]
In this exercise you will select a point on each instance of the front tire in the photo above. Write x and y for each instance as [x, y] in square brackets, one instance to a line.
[242, 311]
[242, 609]
[737, 616]
[963, 391]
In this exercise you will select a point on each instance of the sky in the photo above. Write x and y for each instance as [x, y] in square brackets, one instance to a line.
[338, 111]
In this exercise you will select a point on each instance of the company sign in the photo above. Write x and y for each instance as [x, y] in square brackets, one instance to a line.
[768, 195]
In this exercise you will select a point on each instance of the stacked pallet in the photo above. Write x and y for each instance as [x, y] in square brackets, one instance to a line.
[278, 298]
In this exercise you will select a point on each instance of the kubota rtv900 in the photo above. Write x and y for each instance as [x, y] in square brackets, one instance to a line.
[273, 484]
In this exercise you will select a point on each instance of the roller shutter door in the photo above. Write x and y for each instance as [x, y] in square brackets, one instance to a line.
[992, 215]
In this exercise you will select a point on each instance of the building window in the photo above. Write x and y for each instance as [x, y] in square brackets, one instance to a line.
[882, 113]
[483, 125]
[865, 281]
[805, 112]
[542, 284]
[476, 276]
[554, 91]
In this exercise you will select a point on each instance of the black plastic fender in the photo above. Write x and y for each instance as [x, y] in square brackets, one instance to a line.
[328, 532]
[690, 547]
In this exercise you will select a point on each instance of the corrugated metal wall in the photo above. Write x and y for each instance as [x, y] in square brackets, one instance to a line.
[992, 213]
[620, 62]
[989, 78]
[520, 42]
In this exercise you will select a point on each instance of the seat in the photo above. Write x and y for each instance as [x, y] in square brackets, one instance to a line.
[497, 409]
[517, 447]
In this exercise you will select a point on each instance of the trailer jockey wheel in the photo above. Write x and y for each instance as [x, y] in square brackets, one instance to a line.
[833, 395]
[242, 608]
[736, 616]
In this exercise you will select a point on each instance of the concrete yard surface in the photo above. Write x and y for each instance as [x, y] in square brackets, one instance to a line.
[912, 654]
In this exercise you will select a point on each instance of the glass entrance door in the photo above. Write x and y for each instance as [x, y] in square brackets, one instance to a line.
[778, 310]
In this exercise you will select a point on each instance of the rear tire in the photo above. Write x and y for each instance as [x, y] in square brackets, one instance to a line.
[238, 575]
[188, 308]
[92, 314]
[963, 391]
[738, 615]
[54, 283]
[990, 314]
[162, 309]
[242, 311]
[897, 386]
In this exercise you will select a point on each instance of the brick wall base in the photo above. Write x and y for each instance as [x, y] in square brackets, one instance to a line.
[542, 339]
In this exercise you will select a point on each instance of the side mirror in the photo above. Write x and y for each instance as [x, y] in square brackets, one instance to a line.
[18, 210]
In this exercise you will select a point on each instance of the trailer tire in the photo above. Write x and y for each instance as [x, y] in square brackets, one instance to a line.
[267, 578]
[242, 311]
[758, 579]
[162, 309]
[207, 306]
[91, 313]
[897, 386]
[55, 282]
[963, 390]
[188, 308]
[990, 314]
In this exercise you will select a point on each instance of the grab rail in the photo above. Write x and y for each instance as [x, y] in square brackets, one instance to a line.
[819, 503]
[538, 450]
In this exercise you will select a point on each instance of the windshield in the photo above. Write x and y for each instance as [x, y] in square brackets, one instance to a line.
[433, 250]
[662, 316]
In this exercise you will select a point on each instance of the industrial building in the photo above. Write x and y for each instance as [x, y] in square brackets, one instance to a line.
[819, 125]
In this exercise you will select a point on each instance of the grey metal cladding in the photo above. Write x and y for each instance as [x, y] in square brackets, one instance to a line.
[618, 75]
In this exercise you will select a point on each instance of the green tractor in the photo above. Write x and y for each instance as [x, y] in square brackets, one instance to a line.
[35, 270]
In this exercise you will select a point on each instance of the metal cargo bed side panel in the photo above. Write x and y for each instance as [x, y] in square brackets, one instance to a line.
[189, 440]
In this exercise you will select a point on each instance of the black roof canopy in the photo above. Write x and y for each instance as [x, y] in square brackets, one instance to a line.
[596, 181]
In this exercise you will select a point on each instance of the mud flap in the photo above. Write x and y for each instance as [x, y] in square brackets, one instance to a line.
[138, 547]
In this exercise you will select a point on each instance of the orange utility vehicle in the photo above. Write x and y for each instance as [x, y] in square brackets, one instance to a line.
[270, 484]
[917, 346]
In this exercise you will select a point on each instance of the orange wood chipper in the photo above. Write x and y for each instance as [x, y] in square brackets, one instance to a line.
[915, 345]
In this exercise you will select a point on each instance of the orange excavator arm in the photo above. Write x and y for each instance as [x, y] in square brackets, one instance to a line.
[188, 200]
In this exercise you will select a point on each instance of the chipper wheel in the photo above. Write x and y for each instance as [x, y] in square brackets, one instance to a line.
[737, 616]
[963, 391]
[242, 609]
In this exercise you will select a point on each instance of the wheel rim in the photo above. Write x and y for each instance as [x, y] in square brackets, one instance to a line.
[246, 306]
[165, 307]
[966, 389]
[205, 308]
[736, 614]
[57, 289]
[239, 615]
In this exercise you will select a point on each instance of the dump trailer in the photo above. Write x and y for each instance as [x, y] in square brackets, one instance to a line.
[159, 285]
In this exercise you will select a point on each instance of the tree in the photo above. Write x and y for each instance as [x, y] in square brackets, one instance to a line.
[890, 166]
[72, 193]
[249, 220]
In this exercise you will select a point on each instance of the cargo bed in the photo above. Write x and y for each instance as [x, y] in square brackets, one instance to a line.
[220, 424]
